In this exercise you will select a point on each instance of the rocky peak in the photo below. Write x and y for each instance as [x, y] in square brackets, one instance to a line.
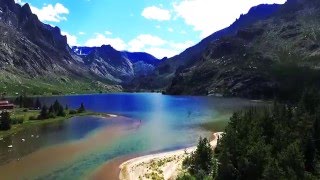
[26, 10]
[107, 47]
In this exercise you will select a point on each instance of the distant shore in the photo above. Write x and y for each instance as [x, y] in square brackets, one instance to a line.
[20, 127]
[12, 96]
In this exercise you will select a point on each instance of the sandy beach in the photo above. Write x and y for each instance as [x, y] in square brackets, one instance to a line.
[165, 165]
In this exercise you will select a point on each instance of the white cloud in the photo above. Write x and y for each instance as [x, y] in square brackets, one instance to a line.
[142, 43]
[81, 33]
[143, 40]
[51, 13]
[170, 49]
[19, 1]
[72, 40]
[208, 16]
[101, 39]
[160, 52]
[107, 32]
[170, 29]
[157, 46]
[156, 13]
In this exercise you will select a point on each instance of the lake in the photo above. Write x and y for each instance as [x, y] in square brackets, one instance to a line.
[147, 122]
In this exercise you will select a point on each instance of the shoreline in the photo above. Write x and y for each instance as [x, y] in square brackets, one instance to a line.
[79, 94]
[166, 165]
[20, 127]
[169, 163]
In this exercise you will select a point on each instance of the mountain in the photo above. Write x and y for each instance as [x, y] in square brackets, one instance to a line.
[166, 70]
[117, 66]
[35, 57]
[272, 55]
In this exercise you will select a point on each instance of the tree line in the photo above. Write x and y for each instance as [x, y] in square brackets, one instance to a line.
[23, 101]
[53, 111]
[57, 110]
[281, 141]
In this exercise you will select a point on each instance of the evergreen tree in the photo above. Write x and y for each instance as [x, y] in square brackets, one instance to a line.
[82, 108]
[44, 113]
[56, 106]
[5, 121]
[61, 111]
[201, 162]
[37, 104]
[20, 101]
[280, 142]
[51, 110]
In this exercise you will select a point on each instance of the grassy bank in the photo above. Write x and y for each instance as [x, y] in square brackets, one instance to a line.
[13, 85]
[25, 116]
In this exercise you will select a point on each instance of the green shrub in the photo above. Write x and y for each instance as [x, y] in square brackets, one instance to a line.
[52, 115]
[186, 176]
[32, 118]
[72, 112]
[18, 120]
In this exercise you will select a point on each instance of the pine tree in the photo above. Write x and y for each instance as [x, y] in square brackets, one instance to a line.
[5, 121]
[51, 110]
[61, 111]
[44, 112]
[82, 108]
[37, 104]
[201, 163]
[56, 106]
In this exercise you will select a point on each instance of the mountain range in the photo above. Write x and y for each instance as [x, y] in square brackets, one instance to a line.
[240, 60]
[165, 72]
[261, 59]
[117, 66]
[36, 59]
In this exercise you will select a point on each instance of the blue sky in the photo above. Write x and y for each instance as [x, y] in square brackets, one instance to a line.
[160, 27]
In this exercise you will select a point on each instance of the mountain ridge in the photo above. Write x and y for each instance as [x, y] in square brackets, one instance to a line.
[35, 58]
[247, 64]
[118, 66]
[166, 70]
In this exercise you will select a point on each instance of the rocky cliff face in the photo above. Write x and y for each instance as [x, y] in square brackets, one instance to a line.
[28, 45]
[117, 66]
[241, 65]
[32, 52]
[110, 64]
